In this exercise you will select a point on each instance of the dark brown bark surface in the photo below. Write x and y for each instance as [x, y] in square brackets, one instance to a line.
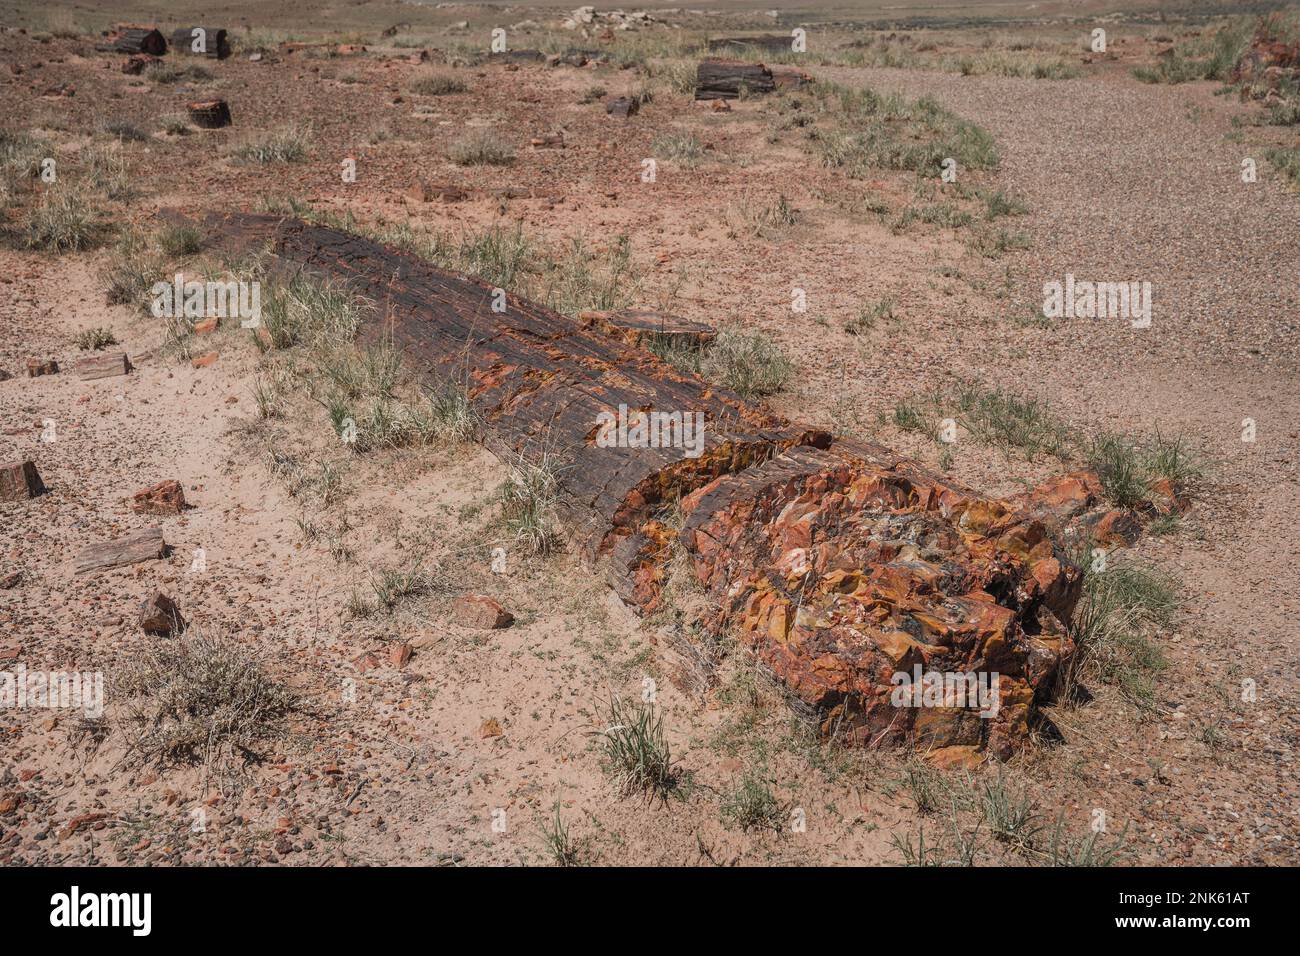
[127, 39]
[723, 79]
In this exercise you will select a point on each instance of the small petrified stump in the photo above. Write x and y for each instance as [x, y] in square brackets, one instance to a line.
[19, 480]
[165, 498]
[103, 366]
[160, 617]
[210, 114]
[37, 367]
[201, 41]
[139, 546]
[479, 610]
[622, 106]
[399, 654]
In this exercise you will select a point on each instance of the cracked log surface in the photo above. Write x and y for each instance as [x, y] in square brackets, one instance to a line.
[839, 563]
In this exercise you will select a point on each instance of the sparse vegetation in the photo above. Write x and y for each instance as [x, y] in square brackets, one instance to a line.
[560, 845]
[179, 241]
[680, 147]
[92, 340]
[528, 499]
[1111, 628]
[866, 318]
[481, 148]
[198, 700]
[284, 146]
[438, 84]
[749, 363]
[753, 806]
[636, 749]
[63, 221]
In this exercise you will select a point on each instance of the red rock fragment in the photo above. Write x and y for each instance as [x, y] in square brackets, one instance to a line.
[165, 498]
[478, 610]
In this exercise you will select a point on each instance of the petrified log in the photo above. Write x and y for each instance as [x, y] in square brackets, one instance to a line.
[125, 38]
[769, 42]
[130, 549]
[19, 480]
[725, 79]
[842, 565]
[201, 41]
[37, 367]
[103, 366]
[210, 114]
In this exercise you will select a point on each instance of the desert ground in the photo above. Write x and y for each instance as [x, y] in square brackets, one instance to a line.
[329, 699]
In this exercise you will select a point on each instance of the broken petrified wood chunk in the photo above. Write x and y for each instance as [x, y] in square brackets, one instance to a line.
[201, 41]
[165, 498]
[479, 610]
[37, 367]
[160, 617]
[103, 366]
[622, 106]
[726, 79]
[547, 141]
[129, 38]
[210, 114]
[19, 480]
[133, 548]
[637, 326]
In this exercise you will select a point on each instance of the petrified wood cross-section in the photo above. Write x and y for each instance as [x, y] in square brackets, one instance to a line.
[840, 563]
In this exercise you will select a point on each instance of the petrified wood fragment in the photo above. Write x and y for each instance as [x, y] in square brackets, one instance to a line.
[725, 79]
[130, 549]
[19, 480]
[210, 114]
[126, 38]
[105, 365]
[768, 42]
[841, 564]
[211, 42]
